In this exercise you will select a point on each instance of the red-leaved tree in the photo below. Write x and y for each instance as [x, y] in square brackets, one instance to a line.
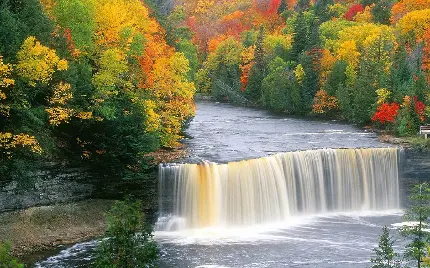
[353, 10]
[386, 113]
[420, 108]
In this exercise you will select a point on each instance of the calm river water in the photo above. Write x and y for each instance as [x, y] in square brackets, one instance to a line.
[223, 133]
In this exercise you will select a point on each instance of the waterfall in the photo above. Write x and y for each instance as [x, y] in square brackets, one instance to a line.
[274, 188]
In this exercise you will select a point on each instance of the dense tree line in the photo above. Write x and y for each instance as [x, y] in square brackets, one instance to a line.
[99, 83]
[365, 61]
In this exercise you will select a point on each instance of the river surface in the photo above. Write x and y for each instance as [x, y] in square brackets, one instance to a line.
[223, 133]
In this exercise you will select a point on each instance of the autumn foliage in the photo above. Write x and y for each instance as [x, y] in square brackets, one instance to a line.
[246, 66]
[426, 54]
[353, 10]
[402, 7]
[420, 108]
[212, 21]
[77, 85]
[267, 7]
[342, 58]
[101, 87]
[386, 113]
[324, 103]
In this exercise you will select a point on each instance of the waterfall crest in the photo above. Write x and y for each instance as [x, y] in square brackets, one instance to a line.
[273, 188]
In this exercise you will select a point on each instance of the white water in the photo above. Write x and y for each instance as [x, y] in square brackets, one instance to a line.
[330, 240]
[224, 133]
[277, 188]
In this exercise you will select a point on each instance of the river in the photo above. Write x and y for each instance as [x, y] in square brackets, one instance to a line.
[224, 133]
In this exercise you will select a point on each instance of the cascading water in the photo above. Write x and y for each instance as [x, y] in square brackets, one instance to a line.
[274, 188]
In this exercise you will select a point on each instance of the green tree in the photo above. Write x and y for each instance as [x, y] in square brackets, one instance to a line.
[276, 87]
[258, 71]
[128, 243]
[309, 86]
[282, 7]
[300, 37]
[400, 75]
[78, 17]
[367, 2]
[322, 11]
[302, 5]
[18, 20]
[223, 69]
[190, 51]
[381, 12]
[6, 259]
[363, 97]
[386, 257]
[418, 213]
[337, 78]
[175, 25]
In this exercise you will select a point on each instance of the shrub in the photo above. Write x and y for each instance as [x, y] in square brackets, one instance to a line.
[128, 243]
[6, 259]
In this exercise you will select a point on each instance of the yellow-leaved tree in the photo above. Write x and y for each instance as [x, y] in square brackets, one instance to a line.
[173, 96]
[37, 63]
[413, 25]
[8, 141]
[5, 82]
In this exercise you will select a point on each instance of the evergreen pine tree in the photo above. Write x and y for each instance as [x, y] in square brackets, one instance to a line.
[418, 213]
[322, 11]
[258, 71]
[385, 254]
[282, 7]
[337, 78]
[310, 81]
[381, 12]
[300, 37]
[302, 5]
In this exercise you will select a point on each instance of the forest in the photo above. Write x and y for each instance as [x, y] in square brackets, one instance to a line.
[90, 83]
[101, 83]
[363, 61]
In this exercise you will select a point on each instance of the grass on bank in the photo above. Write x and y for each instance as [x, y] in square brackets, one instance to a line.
[419, 143]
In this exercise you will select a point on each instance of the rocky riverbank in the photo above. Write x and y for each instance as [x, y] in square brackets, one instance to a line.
[416, 143]
[56, 222]
[44, 228]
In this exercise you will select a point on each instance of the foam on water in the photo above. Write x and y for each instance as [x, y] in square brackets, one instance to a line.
[273, 232]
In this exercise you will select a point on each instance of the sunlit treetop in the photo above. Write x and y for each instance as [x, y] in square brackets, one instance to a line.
[37, 63]
[413, 25]
[402, 7]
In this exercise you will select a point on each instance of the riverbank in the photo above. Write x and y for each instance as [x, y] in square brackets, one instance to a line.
[417, 143]
[35, 230]
[223, 133]
[46, 228]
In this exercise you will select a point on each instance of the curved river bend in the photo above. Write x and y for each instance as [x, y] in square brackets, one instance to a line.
[306, 229]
